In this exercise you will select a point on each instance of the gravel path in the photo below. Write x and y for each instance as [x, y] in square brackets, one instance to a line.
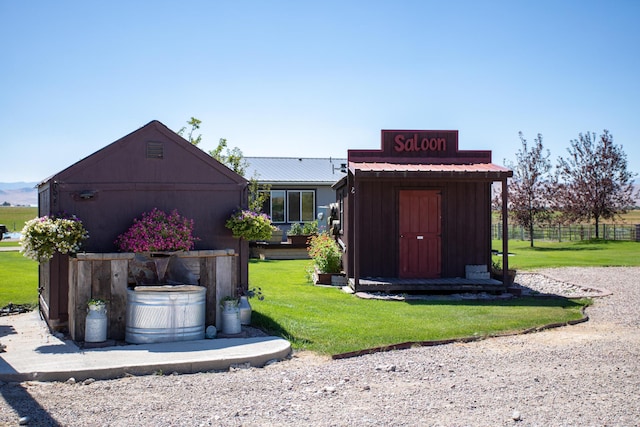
[583, 375]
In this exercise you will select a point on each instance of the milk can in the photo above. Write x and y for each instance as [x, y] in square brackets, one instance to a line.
[231, 318]
[245, 311]
[96, 323]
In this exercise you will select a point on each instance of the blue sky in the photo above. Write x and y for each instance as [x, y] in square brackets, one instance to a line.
[313, 78]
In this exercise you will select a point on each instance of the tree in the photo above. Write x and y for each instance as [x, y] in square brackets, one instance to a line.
[593, 182]
[528, 190]
[195, 125]
[234, 159]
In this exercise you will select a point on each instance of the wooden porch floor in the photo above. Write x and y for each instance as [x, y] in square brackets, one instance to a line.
[440, 285]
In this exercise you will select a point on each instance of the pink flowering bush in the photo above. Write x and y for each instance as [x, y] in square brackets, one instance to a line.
[158, 231]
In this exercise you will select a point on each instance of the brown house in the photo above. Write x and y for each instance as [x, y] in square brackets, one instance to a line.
[152, 167]
[416, 214]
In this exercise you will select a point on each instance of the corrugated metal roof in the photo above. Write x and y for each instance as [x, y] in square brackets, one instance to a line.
[404, 167]
[295, 169]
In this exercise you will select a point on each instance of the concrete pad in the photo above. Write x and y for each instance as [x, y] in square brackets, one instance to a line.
[32, 353]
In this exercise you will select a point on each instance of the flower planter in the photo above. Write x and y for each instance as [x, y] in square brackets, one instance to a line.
[327, 278]
[276, 236]
[511, 276]
[299, 239]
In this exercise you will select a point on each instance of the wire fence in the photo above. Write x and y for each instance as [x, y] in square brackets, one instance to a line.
[566, 233]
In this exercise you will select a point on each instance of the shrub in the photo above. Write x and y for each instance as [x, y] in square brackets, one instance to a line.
[295, 230]
[326, 253]
[157, 231]
[310, 228]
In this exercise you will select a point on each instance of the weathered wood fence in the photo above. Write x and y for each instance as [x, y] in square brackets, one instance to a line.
[106, 276]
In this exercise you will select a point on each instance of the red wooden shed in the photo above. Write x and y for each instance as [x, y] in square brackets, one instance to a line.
[152, 167]
[416, 214]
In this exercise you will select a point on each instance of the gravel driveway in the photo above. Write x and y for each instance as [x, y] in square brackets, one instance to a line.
[583, 375]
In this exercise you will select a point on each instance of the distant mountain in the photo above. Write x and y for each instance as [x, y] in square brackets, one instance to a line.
[19, 193]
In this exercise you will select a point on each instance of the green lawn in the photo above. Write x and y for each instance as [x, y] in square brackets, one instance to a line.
[14, 217]
[329, 321]
[591, 253]
[18, 279]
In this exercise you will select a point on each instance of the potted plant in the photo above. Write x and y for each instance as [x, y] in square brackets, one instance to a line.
[43, 236]
[96, 304]
[326, 256]
[299, 234]
[497, 273]
[276, 235]
[157, 231]
[250, 225]
[229, 302]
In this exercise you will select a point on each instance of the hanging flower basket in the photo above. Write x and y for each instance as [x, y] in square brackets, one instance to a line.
[42, 237]
[249, 225]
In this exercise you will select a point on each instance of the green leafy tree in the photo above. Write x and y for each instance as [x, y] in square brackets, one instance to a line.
[529, 188]
[234, 159]
[593, 182]
[231, 157]
[195, 125]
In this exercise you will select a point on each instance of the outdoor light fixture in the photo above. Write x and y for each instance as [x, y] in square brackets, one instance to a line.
[87, 194]
[342, 168]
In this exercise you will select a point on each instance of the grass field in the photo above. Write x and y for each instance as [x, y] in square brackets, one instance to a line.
[588, 253]
[14, 217]
[18, 279]
[328, 321]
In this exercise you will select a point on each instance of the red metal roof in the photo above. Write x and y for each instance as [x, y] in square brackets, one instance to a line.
[422, 167]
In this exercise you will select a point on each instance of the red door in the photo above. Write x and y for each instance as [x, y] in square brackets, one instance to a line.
[420, 233]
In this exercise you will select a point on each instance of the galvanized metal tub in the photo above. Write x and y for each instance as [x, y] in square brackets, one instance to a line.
[165, 314]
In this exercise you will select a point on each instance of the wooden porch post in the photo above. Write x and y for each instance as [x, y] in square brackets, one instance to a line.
[505, 233]
[356, 234]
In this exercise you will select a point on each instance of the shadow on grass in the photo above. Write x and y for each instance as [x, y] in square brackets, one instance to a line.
[271, 327]
[547, 301]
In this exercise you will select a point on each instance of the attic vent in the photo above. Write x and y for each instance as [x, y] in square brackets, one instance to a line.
[155, 150]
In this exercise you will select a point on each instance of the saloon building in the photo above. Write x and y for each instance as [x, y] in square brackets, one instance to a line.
[415, 215]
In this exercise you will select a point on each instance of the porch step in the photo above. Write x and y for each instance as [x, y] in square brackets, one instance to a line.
[475, 272]
[441, 285]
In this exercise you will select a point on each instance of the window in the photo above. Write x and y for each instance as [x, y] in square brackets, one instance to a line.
[291, 205]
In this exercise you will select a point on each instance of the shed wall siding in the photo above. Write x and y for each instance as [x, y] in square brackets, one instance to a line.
[465, 225]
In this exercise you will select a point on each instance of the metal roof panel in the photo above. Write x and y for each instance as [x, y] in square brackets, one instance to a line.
[295, 169]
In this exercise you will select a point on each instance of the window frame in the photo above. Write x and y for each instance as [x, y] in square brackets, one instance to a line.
[287, 216]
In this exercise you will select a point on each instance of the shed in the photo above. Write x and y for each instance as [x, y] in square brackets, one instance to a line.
[152, 167]
[416, 214]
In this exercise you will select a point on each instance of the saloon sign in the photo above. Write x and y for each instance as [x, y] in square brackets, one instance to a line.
[415, 143]
[409, 143]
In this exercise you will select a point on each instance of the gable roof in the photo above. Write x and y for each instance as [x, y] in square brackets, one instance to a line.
[296, 170]
[125, 161]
